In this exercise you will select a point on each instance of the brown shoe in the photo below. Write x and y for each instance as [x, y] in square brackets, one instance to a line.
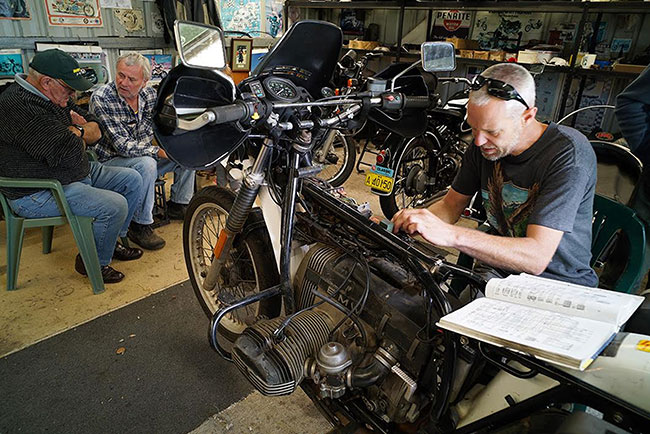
[145, 237]
[109, 274]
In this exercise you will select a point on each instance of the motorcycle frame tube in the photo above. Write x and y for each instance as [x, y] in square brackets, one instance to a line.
[218, 316]
[288, 220]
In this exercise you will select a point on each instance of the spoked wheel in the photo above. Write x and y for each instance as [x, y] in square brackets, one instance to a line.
[412, 187]
[337, 154]
[247, 270]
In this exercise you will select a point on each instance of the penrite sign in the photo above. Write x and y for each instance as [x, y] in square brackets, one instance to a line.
[451, 23]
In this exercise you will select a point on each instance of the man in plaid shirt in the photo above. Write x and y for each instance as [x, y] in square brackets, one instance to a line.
[125, 108]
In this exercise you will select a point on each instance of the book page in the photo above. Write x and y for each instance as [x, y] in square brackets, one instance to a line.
[540, 332]
[554, 295]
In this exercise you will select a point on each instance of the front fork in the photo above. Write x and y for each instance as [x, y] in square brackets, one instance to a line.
[241, 208]
[238, 214]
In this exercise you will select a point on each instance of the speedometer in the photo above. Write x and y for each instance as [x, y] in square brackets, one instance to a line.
[281, 89]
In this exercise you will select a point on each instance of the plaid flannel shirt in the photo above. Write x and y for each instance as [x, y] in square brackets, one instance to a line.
[127, 134]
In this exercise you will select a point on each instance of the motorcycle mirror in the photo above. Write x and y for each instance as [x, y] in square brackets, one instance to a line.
[438, 56]
[200, 45]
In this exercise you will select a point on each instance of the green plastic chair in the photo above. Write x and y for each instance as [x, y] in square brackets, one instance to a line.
[612, 220]
[81, 229]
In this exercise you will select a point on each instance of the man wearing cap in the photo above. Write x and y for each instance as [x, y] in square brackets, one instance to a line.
[536, 182]
[125, 108]
[43, 134]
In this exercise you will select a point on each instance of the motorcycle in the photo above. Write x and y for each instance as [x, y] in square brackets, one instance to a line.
[416, 171]
[306, 291]
[336, 152]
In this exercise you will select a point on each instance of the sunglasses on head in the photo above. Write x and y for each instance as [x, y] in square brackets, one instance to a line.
[498, 89]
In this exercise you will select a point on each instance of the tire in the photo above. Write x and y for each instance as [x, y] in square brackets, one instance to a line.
[419, 151]
[251, 271]
[338, 164]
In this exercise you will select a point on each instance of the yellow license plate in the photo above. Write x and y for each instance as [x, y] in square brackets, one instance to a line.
[379, 182]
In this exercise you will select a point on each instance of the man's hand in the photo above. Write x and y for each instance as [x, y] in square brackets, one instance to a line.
[162, 153]
[92, 132]
[77, 118]
[425, 223]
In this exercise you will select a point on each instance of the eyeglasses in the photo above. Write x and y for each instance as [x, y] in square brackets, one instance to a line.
[498, 89]
[65, 86]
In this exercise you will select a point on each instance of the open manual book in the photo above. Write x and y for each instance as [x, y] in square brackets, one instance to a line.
[555, 321]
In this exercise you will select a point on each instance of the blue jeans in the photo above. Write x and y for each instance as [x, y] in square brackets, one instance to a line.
[109, 194]
[150, 169]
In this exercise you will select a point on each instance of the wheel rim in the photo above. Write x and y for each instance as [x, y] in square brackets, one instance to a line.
[241, 278]
[338, 149]
[417, 156]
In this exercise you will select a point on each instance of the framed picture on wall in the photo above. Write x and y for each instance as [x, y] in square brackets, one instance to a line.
[14, 10]
[240, 54]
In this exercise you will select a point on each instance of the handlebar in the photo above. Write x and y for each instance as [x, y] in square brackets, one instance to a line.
[242, 111]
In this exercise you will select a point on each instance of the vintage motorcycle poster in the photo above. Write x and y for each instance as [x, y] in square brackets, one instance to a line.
[78, 13]
[161, 64]
[506, 30]
[274, 18]
[14, 10]
[11, 63]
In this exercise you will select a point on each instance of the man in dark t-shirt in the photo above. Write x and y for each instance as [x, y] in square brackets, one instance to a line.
[536, 181]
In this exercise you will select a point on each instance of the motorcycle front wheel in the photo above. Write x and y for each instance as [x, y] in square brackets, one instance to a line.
[412, 169]
[337, 155]
[247, 269]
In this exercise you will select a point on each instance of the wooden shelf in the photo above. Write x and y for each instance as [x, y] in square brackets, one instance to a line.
[511, 6]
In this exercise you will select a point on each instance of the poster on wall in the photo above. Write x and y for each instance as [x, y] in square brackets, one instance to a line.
[241, 16]
[507, 30]
[116, 4]
[451, 24]
[131, 19]
[596, 91]
[274, 18]
[14, 10]
[352, 21]
[78, 13]
[161, 64]
[11, 63]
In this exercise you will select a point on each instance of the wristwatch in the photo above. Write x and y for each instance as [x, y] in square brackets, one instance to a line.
[81, 129]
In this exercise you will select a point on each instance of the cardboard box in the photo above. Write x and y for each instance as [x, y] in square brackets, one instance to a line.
[499, 56]
[483, 55]
[468, 54]
[637, 69]
[463, 44]
[363, 45]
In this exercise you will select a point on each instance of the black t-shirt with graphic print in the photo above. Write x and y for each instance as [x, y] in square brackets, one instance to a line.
[551, 184]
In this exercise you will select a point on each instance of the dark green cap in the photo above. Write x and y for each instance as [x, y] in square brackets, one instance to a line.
[58, 64]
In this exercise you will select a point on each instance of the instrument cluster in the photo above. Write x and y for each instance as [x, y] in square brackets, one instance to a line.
[281, 89]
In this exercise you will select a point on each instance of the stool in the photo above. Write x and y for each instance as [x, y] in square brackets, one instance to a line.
[160, 215]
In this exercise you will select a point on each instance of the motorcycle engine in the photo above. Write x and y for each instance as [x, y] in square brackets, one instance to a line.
[378, 361]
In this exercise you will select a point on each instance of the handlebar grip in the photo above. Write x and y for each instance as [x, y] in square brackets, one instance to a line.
[230, 113]
[413, 102]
